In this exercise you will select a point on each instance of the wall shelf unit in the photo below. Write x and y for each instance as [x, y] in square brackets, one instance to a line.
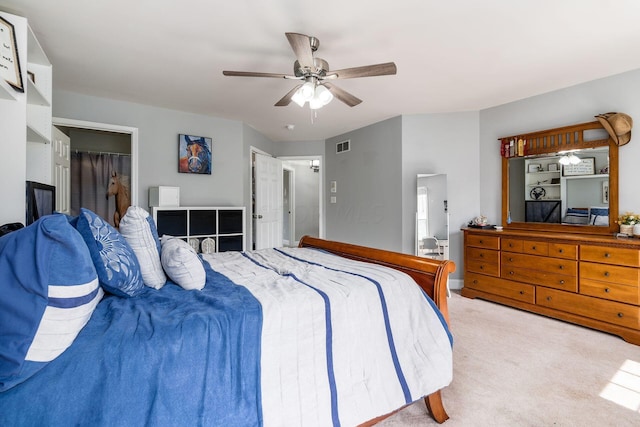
[25, 120]
[224, 225]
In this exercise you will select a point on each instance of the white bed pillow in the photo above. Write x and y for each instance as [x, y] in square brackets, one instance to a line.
[182, 264]
[139, 230]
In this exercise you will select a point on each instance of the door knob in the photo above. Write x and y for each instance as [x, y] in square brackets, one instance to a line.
[257, 216]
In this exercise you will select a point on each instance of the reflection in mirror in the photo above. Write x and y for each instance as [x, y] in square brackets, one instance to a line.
[563, 188]
[432, 217]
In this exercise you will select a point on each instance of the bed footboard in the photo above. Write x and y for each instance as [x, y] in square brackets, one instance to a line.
[431, 275]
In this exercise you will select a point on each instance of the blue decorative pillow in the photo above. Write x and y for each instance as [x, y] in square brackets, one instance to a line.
[598, 216]
[576, 216]
[49, 290]
[116, 263]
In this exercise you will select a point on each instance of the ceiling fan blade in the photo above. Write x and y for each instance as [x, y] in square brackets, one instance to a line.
[287, 98]
[301, 46]
[388, 68]
[342, 95]
[254, 74]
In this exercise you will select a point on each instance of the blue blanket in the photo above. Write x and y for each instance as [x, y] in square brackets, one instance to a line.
[194, 357]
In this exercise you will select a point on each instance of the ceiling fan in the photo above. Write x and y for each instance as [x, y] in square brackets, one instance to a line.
[315, 73]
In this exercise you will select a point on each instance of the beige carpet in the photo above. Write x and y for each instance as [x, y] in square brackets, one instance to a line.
[513, 368]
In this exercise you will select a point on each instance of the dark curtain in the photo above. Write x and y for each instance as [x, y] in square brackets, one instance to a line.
[90, 175]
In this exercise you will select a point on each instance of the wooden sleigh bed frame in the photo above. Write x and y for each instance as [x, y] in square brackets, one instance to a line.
[431, 275]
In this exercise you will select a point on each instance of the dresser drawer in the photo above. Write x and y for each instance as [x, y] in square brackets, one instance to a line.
[551, 265]
[617, 256]
[512, 245]
[563, 250]
[610, 273]
[513, 290]
[483, 267]
[535, 248]
[607, 311]
[541, 278]
[479, 241]
[610, 291]
[486, 255]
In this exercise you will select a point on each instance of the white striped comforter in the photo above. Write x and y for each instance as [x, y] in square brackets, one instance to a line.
[342, 341]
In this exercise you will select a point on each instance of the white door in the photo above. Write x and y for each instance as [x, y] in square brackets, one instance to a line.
[61, 157]
[267, 215]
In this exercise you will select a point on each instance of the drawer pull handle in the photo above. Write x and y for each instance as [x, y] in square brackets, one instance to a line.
[548, 298]
[521, 292]
[607, 255]
[510, 245]
[533, 247]
[561, 251]
[562, 282]
[562, 267]
[510, 259]
[620, 315]
[607, 290]
[606, 274]
[482, 267]
[512, 273]
[475, 281]
[481, 255]
[481, 241]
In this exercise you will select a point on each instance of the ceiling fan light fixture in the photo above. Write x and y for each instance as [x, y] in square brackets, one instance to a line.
[307, 91]
[298, 99]
[315, 103]
[323, 94]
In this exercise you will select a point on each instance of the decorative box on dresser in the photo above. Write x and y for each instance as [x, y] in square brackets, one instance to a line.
[590, 280]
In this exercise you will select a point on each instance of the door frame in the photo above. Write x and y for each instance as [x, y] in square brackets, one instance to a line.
[131, 131]
[321, 221]
[292, 202]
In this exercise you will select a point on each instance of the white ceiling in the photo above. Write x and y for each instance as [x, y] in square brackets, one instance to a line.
[456, 55]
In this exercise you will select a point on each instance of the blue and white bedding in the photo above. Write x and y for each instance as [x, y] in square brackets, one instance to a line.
[277, 337]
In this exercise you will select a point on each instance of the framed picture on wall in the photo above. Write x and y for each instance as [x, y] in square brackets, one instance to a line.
[9, 62]
[194, 154]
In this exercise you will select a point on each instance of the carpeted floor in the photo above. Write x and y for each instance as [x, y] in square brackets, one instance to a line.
[513, 368]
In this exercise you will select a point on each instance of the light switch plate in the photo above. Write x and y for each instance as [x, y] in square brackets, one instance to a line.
[333, 199]
[334, 187]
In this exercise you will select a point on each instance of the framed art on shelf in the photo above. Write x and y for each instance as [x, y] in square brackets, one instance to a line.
[9, 62]
[585, 167]
[194, 154]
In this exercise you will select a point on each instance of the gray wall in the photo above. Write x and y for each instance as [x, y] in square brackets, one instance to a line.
[576, 104]
[369, 186]
[307, 203]
[158, 147]
[443, 144]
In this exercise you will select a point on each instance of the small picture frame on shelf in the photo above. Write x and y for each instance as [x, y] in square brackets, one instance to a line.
[553, 167]
[534, 167]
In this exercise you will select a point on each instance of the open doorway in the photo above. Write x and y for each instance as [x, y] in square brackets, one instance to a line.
[99, 155]
[303, 180]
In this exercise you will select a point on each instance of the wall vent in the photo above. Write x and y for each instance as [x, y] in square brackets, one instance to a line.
[343, 146]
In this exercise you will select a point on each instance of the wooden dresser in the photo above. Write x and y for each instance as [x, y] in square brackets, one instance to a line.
[589, 280]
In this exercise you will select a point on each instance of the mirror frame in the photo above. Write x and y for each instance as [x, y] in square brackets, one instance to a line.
[559, 140]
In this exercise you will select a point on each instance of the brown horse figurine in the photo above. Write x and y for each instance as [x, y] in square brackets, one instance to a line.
[123, 201]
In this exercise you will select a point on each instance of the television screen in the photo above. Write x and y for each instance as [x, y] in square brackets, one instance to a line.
[41, 200]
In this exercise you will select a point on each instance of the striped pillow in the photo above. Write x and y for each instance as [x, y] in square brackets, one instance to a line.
[49, 290]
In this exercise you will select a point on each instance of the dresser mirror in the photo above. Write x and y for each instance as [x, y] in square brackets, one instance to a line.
[573, 191]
